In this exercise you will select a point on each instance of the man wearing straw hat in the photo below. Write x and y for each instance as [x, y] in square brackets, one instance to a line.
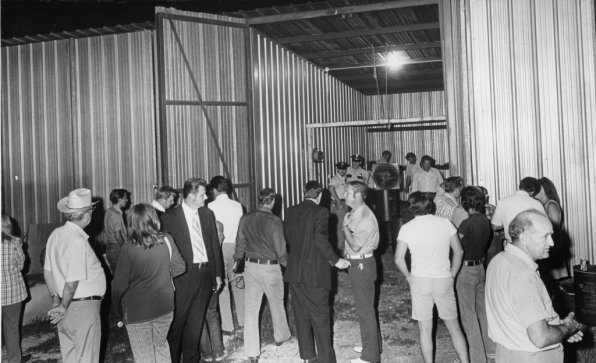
[75, 280]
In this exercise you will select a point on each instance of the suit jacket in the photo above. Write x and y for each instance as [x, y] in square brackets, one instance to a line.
[310, 258]
[174, 223]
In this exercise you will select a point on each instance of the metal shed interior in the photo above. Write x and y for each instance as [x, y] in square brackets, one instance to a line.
[251, 93]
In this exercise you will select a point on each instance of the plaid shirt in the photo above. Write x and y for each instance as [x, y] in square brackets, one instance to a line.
[13, 285]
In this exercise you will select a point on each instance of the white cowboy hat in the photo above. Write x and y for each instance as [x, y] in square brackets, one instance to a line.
[76, 200]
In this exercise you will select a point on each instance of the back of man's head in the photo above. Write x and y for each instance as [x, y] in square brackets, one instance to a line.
[530, 185]
[421, 204]
[164, 192]
[267, 196]
[220, 184]
[452, 183]
[523, 222]
[191, 186]
[312, 189]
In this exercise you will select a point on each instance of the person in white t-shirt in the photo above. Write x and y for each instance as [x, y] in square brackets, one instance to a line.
[431, 280]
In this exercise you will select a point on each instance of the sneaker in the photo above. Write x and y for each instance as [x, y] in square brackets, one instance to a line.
[358, 349]
[283, 341]
[358, 360]
[222, 356]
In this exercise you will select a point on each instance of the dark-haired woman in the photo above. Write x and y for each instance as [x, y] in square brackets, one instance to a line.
[13, 290]
[142, 288]
[475, 235]
[429, 239]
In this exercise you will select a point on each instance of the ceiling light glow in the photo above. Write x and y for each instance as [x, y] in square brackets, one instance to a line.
[394, 60]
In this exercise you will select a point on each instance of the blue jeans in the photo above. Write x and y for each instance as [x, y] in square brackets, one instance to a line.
[148, 339]
[470, 297]
[263, 279]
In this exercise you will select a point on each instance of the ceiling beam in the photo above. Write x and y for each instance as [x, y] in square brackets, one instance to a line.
[310, 14]
[377, 50]
[358, 33]
[372, 65]
[392, 75]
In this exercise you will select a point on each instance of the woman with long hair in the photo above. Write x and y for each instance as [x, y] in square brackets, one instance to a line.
[556, 266]
[142, 288]
[14, 290]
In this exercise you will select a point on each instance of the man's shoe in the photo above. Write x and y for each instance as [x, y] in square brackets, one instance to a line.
[253, 359]
[25, 358]
[358, 349]
[358, 360]
[283, 341]
[311, 360]
[222, 356]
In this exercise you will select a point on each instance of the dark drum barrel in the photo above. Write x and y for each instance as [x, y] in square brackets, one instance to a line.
[585, 294]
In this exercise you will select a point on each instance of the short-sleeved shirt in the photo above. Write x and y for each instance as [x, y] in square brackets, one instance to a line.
[228, 212]
[509, 207]
[412, 169]
[70, 258]
[364, 227]
[428, 238]
[446, 205]
[515, 299]
[476, 236]
[338, 182]
[459, 215]
[427, 181]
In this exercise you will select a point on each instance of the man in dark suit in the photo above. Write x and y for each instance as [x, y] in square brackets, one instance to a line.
[194, 230]
[309, 274]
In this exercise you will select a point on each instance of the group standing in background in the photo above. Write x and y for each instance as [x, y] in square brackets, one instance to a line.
[169, 266]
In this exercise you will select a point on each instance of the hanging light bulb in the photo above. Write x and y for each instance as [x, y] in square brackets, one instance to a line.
[394, 60]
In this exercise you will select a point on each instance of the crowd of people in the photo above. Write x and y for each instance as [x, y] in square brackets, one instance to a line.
[178, 270]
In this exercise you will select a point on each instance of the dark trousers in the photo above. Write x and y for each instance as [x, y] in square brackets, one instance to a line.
[312, 316]
[193, 291]
[11, 315]
[211, 339]
[363, 287]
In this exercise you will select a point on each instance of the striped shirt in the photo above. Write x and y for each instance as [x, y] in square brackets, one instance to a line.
[446, 205]
[13, 285]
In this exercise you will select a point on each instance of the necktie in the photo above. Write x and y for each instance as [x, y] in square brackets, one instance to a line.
[197, 239]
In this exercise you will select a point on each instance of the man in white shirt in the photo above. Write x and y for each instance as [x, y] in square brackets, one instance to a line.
[228, 212]
[509, 207]
[520, 314]
[428, 179]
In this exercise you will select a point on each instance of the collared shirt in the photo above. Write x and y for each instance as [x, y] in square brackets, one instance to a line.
[446, 204]
[199, 252]
[338, 182]
[114, 228]
[359, 175]
[509, 207]
[155, 204]
[70, 258]
[261, 236]
[228, 212]
[427, 181]
[428, 238]
[515, 299]
[13, 260]
[412, 169]
[364, 227]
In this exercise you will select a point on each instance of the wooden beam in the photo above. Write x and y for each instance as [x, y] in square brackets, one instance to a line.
[417, 120]
[372, 65]
[391, 76]
[377, 50]
[357, 33]
[355, 9]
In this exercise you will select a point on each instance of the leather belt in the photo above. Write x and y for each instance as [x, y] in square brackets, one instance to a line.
[199, 265]
[262, 262]
[469, 263]
[359, 257]
[93, 297]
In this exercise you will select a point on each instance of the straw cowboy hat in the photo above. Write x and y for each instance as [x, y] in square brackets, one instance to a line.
[76, 200]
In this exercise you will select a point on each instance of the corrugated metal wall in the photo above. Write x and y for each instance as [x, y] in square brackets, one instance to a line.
[114, 115]
[76, 113]
[37, 150]
[205, 64]
[289, 93]
[522, 96]
[421, 105]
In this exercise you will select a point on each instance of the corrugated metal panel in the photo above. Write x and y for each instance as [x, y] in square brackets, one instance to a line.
[113, 114]
[37, 157]
[532, 96]
[289, 93]
[205, 60]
